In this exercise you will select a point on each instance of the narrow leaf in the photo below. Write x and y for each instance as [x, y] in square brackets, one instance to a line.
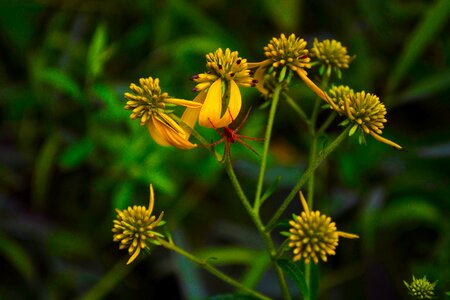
[271, 189]
[76, 153]
[16, 255]
[60, 81]
[433, 20]
[294, 272]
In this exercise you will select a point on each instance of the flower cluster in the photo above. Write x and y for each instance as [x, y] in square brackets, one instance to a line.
[363, 110]
[218, 89]
[330, 55]
[134, 227]
[154, 108]
[421, 288]
[313, 235]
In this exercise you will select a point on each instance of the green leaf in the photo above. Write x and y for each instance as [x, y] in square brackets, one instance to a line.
[228, 255]
[409, 209]
[76, 153]
[433, 20]
[60, 81]
[430, 85]
[256, 270]
[271, 189]
[284, 13]
[294, 271]
[16, 255]
[123, 195]
[98, 53]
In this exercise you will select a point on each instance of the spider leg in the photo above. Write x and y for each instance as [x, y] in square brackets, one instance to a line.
[248, 146]
[243, 120]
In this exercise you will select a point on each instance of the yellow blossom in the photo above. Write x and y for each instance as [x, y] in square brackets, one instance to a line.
[134, 226]
[367, 113]
[153, 108]
[283, 51]
[219, 89]
[337, 94]
[313, 236]
[331, 55]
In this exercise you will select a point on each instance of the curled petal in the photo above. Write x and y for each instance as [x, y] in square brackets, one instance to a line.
[157, 137]
[174, 138]
[165, 135]
[212, 107]
[234, 106]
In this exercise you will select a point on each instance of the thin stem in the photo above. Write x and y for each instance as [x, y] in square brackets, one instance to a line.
[312, 159]
[313, 166]
[211, 269]
[327, 123]
[308, 280]
[312, 131]
[297, 109]
[259, 226]
[262, 170]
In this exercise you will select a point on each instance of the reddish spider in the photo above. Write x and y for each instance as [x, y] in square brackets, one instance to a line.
[230, 136]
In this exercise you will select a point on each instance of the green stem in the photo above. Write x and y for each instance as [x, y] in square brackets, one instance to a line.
[259, 226]
[312, 159]
[313, 149]
[297, 109]
[313, 166]
[327, 123]
[211, 269]
[308, 280]
[262, 170]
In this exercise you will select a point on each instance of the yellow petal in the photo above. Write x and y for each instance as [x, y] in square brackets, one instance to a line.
[304, 203]
[312, 85]
[212, 107]
[190, 115]
[133, 257]
[151, 200]
[172, 124]
[347, 235]
[174, 138]
[155, 133]
[181, 102]
[234, 106]
[259, 75]
[383, 140]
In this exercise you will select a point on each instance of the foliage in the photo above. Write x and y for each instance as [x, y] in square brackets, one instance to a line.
[70, 155]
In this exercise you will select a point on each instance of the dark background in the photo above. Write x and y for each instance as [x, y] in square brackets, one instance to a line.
[69, 154]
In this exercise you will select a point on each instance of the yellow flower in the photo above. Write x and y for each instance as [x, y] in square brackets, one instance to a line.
[421, 288]
[337, 94]
[367, 113]
[314, 236]
[134, 226]
[153, 107]
[219, 89]
[331, 55]
[280, 52]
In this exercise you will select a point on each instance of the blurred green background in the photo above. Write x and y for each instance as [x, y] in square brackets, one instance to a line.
[69, 154]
